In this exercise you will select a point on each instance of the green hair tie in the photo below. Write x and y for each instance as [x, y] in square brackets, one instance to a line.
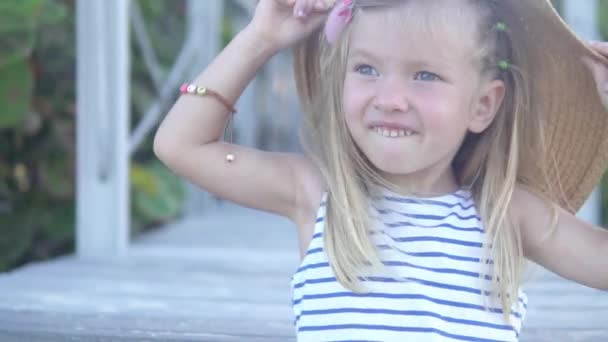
[500, 26]
[503, 65]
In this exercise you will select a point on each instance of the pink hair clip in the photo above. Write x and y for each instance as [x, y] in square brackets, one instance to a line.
[337, 20]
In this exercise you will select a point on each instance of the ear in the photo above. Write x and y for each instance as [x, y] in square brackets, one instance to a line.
[485, 108]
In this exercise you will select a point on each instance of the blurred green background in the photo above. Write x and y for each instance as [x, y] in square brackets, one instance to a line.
[37, 126]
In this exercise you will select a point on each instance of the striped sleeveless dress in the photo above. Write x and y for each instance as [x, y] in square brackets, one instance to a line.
[435, 246]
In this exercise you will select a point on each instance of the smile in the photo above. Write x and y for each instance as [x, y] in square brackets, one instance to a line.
[393, 133]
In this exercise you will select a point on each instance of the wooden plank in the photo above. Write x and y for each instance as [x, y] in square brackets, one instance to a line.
[26, 324]
[565, 335]
[215, 289]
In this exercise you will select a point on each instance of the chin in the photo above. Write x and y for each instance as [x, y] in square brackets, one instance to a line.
[392, 165]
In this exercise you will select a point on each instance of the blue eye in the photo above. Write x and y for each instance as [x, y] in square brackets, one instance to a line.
[430, 76]
[366, 70]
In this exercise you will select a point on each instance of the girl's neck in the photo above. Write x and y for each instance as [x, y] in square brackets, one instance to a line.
[425, 182]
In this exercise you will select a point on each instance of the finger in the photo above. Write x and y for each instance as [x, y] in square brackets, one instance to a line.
[302, 8]
[601, 47]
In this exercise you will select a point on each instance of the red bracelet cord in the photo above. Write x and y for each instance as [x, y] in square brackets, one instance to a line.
[193, 89]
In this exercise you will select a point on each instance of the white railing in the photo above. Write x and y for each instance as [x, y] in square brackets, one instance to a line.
[102, 178]
[104, 141]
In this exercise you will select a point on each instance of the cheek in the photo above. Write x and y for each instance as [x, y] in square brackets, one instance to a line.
[354, 98]
[435, 112]
[444, 113]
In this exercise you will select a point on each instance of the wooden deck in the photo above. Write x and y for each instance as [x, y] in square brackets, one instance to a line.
[222, 277]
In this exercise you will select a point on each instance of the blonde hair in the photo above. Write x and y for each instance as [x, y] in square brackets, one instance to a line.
[492, 163]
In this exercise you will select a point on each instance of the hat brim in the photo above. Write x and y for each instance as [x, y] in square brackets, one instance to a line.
[564, 91]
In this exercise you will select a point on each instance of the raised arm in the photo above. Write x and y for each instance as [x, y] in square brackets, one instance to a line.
[188, 139]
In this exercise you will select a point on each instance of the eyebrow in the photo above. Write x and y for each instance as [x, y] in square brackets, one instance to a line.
[358, 52]
[418, 63]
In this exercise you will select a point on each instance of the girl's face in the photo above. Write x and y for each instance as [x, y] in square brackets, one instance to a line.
[407, 100]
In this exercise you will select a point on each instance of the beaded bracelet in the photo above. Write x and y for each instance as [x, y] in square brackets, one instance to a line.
[193, 89]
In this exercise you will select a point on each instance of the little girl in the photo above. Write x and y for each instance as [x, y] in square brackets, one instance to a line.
[447, 142]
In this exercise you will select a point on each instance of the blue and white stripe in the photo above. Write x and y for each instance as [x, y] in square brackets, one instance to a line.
[434, 245]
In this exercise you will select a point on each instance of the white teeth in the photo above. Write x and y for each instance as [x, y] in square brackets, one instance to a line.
[393, 133]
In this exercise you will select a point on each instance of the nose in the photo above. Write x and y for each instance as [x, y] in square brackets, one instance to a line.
[391, 96]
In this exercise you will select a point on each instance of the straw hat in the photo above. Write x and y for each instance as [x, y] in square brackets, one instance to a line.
[561, 87]
[564, 90]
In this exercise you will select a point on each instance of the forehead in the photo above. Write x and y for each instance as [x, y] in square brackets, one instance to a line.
[434, 30]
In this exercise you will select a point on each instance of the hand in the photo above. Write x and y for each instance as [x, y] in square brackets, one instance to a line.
[599, 70]
[284, 22]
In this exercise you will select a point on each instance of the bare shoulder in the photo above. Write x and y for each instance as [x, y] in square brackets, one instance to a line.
[533, 216]
[521, 201]
[527, 206]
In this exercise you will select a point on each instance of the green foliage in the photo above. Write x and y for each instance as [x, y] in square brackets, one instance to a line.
[30, 210]
[37, 128]
[15, 93]
[18, 234]
[56, 176]
[18, 23]
[603, 18]
[227, 31]
[157, 195]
